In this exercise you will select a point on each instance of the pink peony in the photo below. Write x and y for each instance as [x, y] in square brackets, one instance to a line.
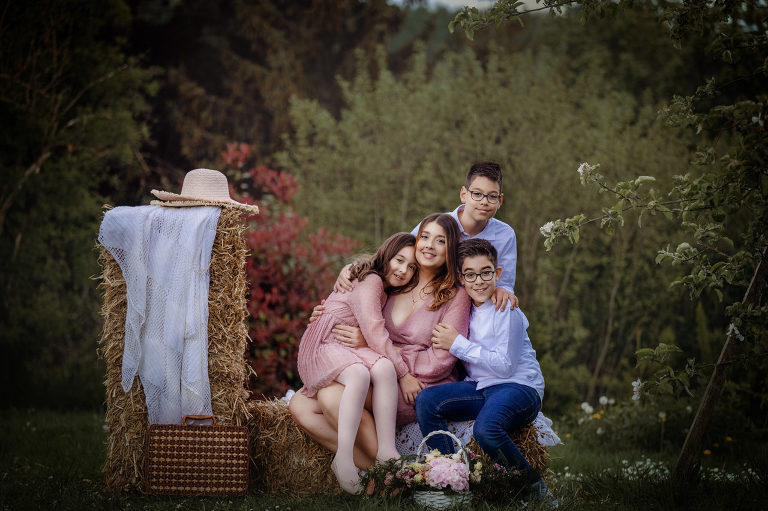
[444, 472]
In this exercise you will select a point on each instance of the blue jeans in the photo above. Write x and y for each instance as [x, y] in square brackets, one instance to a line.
[497, 410]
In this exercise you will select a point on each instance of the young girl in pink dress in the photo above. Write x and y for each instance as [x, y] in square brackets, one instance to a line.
[410, 318]
[322, 359]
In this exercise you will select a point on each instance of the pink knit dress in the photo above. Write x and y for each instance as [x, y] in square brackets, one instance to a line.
[413, 337]
[322, 357]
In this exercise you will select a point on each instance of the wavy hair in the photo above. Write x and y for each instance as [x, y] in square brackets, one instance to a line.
[379, 262]
[443, 286]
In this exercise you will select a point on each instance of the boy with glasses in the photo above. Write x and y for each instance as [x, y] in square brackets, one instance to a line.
[481, 198]
[504, 385]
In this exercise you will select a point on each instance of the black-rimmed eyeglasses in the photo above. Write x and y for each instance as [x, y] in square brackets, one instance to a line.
[492, 197]
[471, 276]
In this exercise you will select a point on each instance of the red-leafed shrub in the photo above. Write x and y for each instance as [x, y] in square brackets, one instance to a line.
[289, 270]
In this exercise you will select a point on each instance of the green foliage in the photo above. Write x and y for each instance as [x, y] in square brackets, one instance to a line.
[722, 203]
[71, 102]
[401, 148]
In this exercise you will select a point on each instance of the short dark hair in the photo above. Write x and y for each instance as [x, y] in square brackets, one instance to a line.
[489, 169]
[476, 247]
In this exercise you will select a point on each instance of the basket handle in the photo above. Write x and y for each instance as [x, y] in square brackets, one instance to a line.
[199, 418]
[462, 448]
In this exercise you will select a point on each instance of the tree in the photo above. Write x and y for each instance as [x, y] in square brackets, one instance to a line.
[723, 204]
[289, 270]
[71, 103]
[400, 150]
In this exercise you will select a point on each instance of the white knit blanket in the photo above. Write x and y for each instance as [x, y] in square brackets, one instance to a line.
[164, 254]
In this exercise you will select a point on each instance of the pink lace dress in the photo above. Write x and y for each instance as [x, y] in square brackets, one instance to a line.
[321, 357]
[413, 337]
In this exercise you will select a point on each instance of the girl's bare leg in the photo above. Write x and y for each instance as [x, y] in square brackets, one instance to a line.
[356, 378]
[309, 417]
[385, 389]
[329, 399]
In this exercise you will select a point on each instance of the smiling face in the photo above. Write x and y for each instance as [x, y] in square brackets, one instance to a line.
[431, 247]
[401, 268]
[479, 290]
[480, 211]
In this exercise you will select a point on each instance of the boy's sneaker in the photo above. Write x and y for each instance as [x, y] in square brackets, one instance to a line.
[541, 493]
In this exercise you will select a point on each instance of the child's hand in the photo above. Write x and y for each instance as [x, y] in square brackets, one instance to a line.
[317, 311]
[443, 336]
[343, 282]
[350, 336]
[411, 386]
[500, 297]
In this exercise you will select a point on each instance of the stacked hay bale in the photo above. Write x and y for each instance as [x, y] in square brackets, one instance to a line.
[285, 459]
[227, 335]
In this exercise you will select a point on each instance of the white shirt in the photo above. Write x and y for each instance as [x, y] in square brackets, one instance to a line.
[498, 349]
[503, 239]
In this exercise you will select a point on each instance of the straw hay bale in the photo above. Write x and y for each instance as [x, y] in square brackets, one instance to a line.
[285, 459]
[227, 369]
[526, 440]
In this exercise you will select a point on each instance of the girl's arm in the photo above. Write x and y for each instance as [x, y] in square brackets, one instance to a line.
[431, 364]
[367, 301]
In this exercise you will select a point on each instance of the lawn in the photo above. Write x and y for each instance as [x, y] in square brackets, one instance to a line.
[52, 460]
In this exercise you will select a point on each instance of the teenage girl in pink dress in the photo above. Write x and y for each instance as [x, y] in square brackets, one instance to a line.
[323, 360]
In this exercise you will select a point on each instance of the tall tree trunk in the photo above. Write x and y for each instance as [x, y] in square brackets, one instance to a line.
[606, 338]
[692, 443]
[8, 199]
[564, 284]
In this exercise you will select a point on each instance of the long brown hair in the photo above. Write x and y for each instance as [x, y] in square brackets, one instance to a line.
[443, 285]
[379, 262]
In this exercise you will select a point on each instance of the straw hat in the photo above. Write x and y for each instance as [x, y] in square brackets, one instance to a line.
[202, 187]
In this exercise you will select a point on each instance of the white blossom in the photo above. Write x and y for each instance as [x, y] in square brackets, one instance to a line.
[546, 229]
[587, 408]
[732, 330]
[603, 400]
[662, 415]
[636, 385]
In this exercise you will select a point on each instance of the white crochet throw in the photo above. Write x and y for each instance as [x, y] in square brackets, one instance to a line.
[164, 254]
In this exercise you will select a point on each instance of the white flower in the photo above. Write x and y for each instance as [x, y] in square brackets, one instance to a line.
[584, 167]
[662, 415]
[599, 431]
[603, 400]
[546, 229]
[732, 330]
[611, 401]
[636, 386]
[587, 408]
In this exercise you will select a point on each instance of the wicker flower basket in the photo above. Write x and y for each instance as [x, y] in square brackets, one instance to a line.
[439, 499]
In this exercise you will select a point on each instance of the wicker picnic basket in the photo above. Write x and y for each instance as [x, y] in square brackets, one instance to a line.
[186, 459]
[438, 499]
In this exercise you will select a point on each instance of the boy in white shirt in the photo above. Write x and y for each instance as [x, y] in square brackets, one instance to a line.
[504, 385]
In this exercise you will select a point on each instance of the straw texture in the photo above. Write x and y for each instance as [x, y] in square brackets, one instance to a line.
[227, 335]
[286, 460]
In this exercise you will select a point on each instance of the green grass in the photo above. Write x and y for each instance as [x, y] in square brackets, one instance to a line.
[52, 460]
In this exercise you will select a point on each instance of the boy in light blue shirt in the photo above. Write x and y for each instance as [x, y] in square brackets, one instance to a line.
[504, 386]
[481, 197]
